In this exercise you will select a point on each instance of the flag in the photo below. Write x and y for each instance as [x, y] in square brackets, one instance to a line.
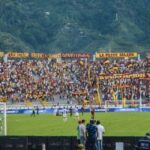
[114, 95]
[84, 102]
[81, 63]
[106, 62]
[98, 99]
[130, 65]
[114, 69]
[124, 101]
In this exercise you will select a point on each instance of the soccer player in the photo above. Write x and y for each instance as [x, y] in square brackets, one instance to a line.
[37, 110]
[76, 113]
[82, 110]
[55, 111]
[33, 112]
[92, 113]
[70, 110]
[65, 114]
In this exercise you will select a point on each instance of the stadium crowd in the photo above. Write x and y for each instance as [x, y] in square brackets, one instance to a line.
[25, 79]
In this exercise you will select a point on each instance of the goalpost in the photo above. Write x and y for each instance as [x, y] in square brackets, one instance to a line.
[3, 119]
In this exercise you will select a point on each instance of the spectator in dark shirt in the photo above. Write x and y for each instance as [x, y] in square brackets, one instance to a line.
[144, 143]
[91, 131]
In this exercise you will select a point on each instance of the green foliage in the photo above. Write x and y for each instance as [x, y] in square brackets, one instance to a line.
[76, 25]
[11, 43]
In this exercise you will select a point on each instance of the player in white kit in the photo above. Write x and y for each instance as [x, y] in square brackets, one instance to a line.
[65, 114]
[76, 113]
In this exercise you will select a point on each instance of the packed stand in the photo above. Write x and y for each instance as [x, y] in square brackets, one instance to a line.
[29, 80]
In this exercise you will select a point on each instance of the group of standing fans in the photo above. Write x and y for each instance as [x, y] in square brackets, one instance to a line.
[41, 79]
[90, 135]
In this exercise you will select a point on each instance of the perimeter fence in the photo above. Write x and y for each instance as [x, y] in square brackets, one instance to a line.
[61, 143]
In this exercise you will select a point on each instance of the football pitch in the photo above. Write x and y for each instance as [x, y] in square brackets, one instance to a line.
[116, 124]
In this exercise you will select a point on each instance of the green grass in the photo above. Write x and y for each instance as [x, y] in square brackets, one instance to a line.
[116, 124]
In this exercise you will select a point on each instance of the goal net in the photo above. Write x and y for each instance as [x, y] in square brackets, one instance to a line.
[3, 121]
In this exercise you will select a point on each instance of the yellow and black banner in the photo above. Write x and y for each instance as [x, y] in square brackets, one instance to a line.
[124, 76]
[116, 55]
[17, 55]
[42, 55]
[75, 55]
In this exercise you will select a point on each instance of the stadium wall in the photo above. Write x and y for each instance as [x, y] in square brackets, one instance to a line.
[62, 143]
